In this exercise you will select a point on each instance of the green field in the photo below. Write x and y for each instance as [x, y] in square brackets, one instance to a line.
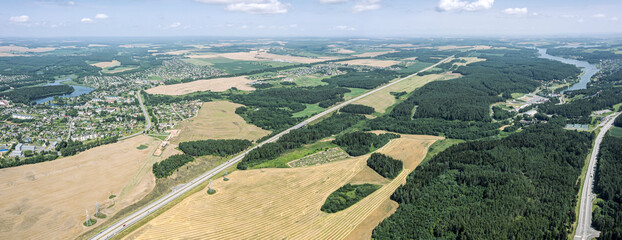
[309, 81]
[415, 67]
[310, 110]
[616, 132]
[232, 66]
[353, 93]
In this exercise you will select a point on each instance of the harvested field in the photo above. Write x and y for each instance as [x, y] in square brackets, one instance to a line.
[365, 229]
[215, 85]
[469, 60]
[281, 203]
[262, 56]
[372, 54]
[368, 175]
[371, 62]
[13, 48]
[217, 120]
[47, 200]
[454, 47]
[112, 63]
[383, 99]
[343, 51]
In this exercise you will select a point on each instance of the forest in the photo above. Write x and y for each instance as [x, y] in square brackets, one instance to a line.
[296, 138]
[432, 126]
[520, 187]
[359, 143]
[346, 196]
[29, 94]
[168, 166]
[592, 57]
[384, 165]
[357, 109]
[362, 79]
[156, 99]
[595, 99]
[607, 215]
[216, 147]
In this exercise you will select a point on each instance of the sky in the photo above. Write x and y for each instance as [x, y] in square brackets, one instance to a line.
[309, 18]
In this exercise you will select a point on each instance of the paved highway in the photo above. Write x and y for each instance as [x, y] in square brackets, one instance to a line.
[161, 202]
[584, 227]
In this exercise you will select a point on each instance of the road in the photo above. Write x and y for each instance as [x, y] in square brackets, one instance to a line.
[161, 202]
[147, 118]
[584, 227]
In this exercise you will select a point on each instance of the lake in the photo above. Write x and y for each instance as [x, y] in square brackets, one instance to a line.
[78, 90]
[588, 69]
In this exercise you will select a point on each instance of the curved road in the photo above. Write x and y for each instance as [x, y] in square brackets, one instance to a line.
[584, 227]
[161, 202]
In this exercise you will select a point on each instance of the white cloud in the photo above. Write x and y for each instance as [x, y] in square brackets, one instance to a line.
[19, 19]
[333, 1]
[293, 25]
[101, 16]
[86, 20]
[515, 11]
[344, 28]
[614, 19]
[460, 5]
[251, 6]
[174, 25]
[599, 15]
[366, 5]
[581, 20]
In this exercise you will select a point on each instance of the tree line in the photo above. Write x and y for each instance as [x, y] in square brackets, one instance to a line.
[168, 166]
[520, 187]
[296, 138]
[359, 143]
[220, 147]
[357, 109]
[71, 147]
[346, 196]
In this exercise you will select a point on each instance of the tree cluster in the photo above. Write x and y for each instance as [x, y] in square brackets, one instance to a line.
[220, 147]
[69, 148]
[362, 79]
[384, 165]
[360, 143]
[357, 109]
[27, 95]
[346, 196]
[520, 187]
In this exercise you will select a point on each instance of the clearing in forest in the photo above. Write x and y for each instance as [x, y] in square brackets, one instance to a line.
[469, 60]
[371, 62]
[283, 203]
[48, 200]
[104, 65]
[214, 85]
[383, 99]
[218, 120]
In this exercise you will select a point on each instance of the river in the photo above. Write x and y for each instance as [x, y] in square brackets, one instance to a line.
[588, 69]
[78, 90]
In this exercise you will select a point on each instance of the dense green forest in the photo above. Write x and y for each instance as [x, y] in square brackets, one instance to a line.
[618, 121]
[294, 139]
[384, 165]
[346, 196]
[594, 99]
[592, 57]
[219, 147]
[520, 187]
[27, 95]
[272, 108]
[360, 143]
[432, 126]
[362, 79]
[501, 114]
[357, 109]
[607, 216]
[168, 166]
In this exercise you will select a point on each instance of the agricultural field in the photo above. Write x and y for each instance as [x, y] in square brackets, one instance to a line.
[104, 65]
[371, 62]
[262, 56]
[290, 202]
[383, 99]
[47, 200]
[215, 85]
[469, 60]
[218, 120]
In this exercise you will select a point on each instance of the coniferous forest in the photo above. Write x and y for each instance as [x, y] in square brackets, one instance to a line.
[520, 187]
[220, 147]
[384, 165]
[607, 216]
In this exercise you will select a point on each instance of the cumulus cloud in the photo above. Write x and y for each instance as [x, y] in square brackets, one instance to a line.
[515, 11]
[344, 28]
[614, 19]
[174, 25]
[460, 5]
[366, 5]
[101, 16]
[86, 20]
[19, 19]
[599, 15]
[251, 6]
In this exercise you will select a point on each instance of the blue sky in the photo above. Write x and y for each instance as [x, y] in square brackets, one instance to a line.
[319, 18]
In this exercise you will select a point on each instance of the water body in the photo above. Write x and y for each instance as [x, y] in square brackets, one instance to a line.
[588, 69]
[77, 91]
